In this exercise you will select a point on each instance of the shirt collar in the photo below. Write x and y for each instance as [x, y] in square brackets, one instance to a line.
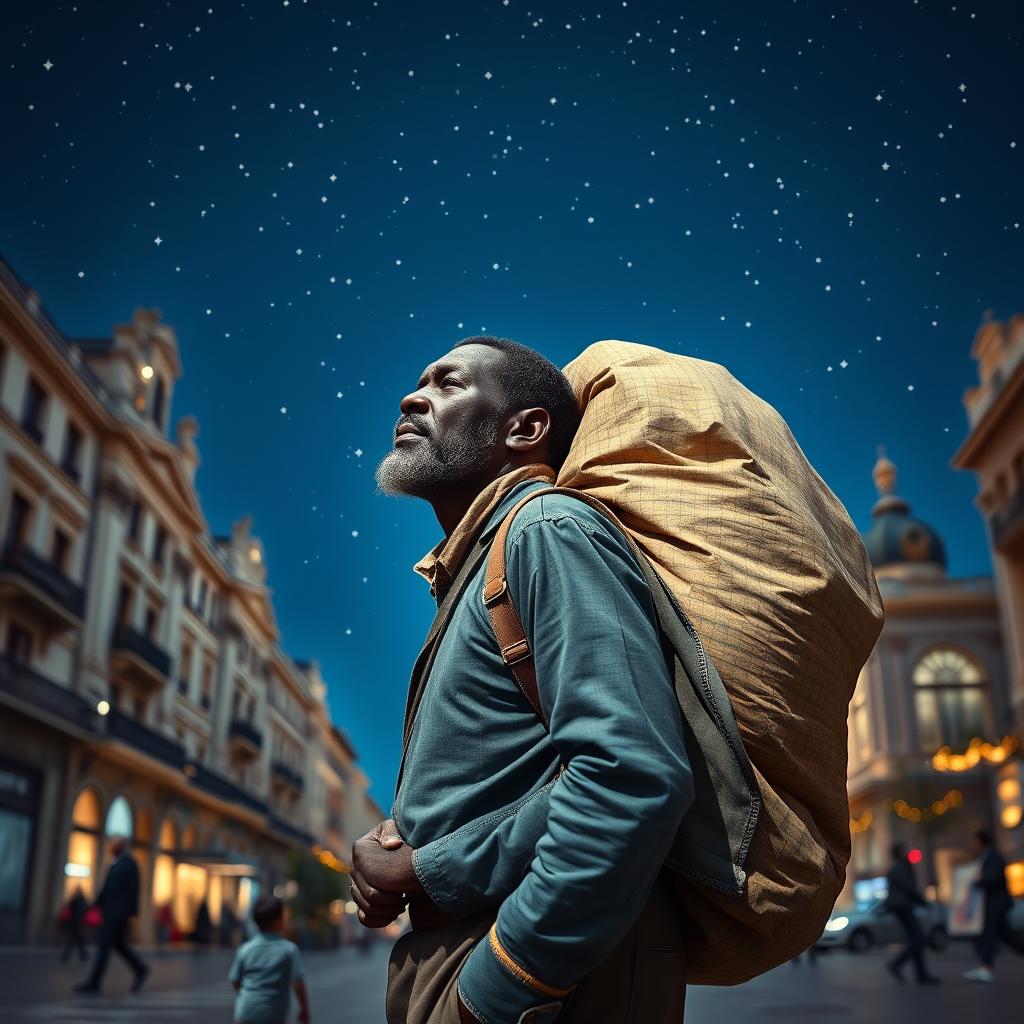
[439, 565]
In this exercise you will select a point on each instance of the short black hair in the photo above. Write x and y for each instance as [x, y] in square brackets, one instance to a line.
[899, 851]
[983, 836]
[268, 912]
[529, 380]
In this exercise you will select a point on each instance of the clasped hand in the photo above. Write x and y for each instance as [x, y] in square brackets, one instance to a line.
[382, 875]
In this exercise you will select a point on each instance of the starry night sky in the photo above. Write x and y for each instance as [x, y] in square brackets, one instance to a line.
[322, 198]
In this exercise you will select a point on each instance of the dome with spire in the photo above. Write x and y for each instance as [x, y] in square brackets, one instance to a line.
[898, 543]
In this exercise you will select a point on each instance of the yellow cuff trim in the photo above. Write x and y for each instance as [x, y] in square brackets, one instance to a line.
[513, 968]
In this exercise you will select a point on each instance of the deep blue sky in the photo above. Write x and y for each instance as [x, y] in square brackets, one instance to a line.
[825, 199]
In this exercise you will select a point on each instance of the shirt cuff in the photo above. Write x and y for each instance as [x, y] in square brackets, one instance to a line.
[497, 990]
[428, 865]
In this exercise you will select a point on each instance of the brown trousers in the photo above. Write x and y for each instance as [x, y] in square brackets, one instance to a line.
[643, 981]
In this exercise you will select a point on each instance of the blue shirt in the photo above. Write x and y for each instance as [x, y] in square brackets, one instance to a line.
[477, 787]
[266, 965]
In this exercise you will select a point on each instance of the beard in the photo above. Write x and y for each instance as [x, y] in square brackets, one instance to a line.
[427, 469]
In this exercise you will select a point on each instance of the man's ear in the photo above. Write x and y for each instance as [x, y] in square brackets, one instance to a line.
[528, 429]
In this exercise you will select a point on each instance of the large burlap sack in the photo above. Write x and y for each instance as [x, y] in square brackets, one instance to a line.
[765, 561]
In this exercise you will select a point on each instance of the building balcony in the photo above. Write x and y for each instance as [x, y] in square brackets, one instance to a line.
[281, 775]
[289, 831]
[148, 741]
[137, 658]
[244, 738]
[215, 784]
[1007, 525]
[34, 694]
[36, 584]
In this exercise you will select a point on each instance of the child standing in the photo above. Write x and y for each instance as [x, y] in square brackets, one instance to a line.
[264, 968]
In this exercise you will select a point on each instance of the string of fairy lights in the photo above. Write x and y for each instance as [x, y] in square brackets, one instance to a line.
[943, 760]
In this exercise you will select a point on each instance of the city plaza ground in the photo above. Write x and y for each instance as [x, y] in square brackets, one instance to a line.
[347, 987]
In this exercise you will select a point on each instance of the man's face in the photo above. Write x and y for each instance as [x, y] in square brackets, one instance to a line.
[117, 845]
[448, 431]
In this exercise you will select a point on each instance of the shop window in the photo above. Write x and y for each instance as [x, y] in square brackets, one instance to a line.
[15, 846]
[83, 846]
[164, 866]
[950, 700]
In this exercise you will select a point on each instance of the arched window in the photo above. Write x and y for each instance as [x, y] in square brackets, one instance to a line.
[83, 845]
[119, 818]
[950, 700]
[163, 867]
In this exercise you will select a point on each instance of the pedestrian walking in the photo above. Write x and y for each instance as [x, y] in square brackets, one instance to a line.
[202, 933]
[998, 902]
[118, 903]
[164, 927]
[265, 968]
[72, 918]
[903, 897]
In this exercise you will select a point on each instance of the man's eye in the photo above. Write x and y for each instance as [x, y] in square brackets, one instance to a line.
[449, 380]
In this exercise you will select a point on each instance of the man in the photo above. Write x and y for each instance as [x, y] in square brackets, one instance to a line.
[118, 903]
[903, 897]
[998, 901]
[564, 923]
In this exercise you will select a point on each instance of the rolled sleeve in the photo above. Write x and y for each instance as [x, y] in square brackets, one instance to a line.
[477, 866]
[614, 720]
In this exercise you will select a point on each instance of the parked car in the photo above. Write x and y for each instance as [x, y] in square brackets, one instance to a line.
[859, 926]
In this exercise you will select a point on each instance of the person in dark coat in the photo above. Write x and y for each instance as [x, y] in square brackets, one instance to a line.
[74, 935]
[202, 936]
[118, 903]
[902, 898]
[998, 901]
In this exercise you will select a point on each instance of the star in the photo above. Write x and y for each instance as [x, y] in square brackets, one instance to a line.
[188, 87]
[157, 240]
[488, 75]
[48, 64]
[334, 177]
[878, 98]
[962, 87]
[359, 452]
[885, 165]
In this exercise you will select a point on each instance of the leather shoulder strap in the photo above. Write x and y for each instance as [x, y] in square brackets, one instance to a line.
[505, 621]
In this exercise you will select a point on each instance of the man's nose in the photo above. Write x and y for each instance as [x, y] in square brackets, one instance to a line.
[414, 402]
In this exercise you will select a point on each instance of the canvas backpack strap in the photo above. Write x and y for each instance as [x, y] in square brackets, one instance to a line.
[505, 621]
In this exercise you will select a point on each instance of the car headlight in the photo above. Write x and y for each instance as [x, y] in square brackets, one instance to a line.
[837, 924]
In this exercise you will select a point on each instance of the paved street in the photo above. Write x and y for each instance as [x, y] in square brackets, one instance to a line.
[347, 988]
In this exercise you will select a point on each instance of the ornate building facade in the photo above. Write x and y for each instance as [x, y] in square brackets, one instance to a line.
[143, 688]
[994, 451]
[935, 684]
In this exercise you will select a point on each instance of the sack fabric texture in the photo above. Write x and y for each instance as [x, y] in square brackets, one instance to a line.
[765, 561]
